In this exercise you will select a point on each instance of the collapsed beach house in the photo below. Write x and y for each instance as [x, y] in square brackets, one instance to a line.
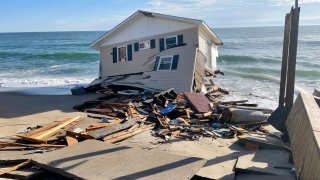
[156, 51]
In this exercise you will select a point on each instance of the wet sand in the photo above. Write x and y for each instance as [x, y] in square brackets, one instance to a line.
[20, 111]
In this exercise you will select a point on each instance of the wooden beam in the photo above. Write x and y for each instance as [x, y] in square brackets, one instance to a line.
[8, 144]
[53, 130]
[13, 168]
[102, 132]
[42, 136]
[129, 134]
[292, 59]
[71, 140]
[101, 125]
[284, 66]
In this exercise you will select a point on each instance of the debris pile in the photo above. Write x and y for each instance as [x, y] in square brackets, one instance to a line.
[120, 114]
[125, 113]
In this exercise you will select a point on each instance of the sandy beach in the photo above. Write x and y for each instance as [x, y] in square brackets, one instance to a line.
[19, 111]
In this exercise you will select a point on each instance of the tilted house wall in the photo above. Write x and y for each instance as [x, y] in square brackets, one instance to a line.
[145, 27]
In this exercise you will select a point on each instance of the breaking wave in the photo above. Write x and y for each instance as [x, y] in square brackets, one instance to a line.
[50, 56]
[245, 59]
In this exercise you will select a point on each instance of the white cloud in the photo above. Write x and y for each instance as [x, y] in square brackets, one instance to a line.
[291, 2]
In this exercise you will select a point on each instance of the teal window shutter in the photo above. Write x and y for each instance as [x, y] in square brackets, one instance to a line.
[136, 47]
[175, 61]
[152, 43]
[180, 40]
[129, 50]
[161, 44]
[156, 63]
[114, 55]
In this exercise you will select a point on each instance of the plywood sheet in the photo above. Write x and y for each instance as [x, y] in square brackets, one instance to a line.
[93, 159]
[198, 101]
[273, 162]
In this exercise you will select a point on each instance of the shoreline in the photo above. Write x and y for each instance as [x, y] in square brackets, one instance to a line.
[41, 90]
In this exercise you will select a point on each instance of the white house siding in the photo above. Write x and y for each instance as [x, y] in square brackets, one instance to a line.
[203, 39]
[143, 60]
[145, 27]
[182, 78]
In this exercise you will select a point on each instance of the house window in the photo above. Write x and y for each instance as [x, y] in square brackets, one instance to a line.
[171, 42]
[122, 54]
[144, 45]
[165, 63]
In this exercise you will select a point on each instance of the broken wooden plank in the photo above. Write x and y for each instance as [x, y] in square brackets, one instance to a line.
[9, 144]
[81, 135]
[43, 136]
[71, 140]
[13, 168]
[129, 134]
[233, 102]
[93, 159]
[41, 129]
[25, 173]
[101, 125]
[102, 132]
[198, 101]
[49, 132]
[264, 142]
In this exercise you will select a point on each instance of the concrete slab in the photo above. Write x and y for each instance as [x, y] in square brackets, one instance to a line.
[272, 162]
[93, 159]
[221, 154]
[263, 177]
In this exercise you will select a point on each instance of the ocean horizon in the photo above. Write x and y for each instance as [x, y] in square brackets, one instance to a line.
[250, 58]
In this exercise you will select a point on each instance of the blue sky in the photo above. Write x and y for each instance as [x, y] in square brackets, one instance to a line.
[83, 15]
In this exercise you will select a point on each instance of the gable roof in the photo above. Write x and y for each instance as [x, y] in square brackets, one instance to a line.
[140, 13]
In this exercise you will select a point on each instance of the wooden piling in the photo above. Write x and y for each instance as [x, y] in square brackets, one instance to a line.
[292, 59]
[284, 66]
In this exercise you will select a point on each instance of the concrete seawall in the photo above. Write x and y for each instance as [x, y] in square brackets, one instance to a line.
[303, 126]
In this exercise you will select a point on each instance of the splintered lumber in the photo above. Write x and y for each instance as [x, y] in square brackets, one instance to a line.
[264, 110]
[53, 130]
[13, 168]
[25, 173]
[92, 159]
[80, 135]
[101, 125]
[41, 129]
[102, 132]
[163, 121]
[234, 102]
[43, 136]
[129, 134]
[198, 101]
[71, 140]
[132, 111]
[9, 144]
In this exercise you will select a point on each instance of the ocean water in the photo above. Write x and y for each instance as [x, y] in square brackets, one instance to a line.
[250, 59]
[47, 59]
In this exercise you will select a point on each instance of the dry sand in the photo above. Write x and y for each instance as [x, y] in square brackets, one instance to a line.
[19, 111]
